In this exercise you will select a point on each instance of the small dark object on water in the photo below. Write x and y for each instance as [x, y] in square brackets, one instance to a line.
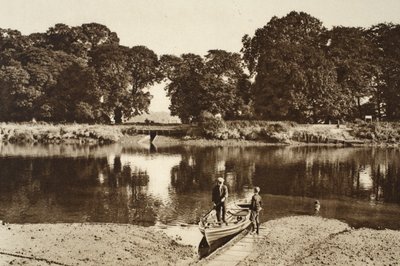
[317, 206]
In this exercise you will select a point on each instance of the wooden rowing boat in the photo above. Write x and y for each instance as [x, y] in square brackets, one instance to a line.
[237, 218]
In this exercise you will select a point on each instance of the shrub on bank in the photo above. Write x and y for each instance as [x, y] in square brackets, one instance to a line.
[49, 133]
[212, 126]
[377, 131]
[269, 131]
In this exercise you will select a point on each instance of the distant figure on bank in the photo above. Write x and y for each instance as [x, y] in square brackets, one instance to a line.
[317, 206]
[219, 196]
[255, 208]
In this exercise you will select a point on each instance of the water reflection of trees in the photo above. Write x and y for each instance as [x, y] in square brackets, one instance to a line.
[74, 189]
[33, 187]
[200, 167]
[127, 188]
[386, 182]
[391, 186]
[327, 172]
[300, 171]
[51, 189]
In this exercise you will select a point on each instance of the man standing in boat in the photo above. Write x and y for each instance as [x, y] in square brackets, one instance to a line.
[219, 196]
[255, 208]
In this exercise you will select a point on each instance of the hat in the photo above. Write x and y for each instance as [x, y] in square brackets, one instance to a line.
[220, 179]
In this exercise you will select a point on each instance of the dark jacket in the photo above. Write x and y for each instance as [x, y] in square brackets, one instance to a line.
[255, 202]
[217, 195]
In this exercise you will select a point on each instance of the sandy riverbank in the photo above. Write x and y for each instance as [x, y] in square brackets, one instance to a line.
[309, 240]
[299, 240]
[90, 244]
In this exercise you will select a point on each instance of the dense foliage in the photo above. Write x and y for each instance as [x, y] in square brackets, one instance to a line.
[293, 68]
[216, 84]
[70, 74]
[304, 72]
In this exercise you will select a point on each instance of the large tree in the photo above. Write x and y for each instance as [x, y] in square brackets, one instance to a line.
[293, 77]
[29, 84]
[387, 38]
[226, 89]
[110, 62]
[184, 88]
[74, 74]
[125, 75]
[143, 66]
[215, 83]
[353, 53]
[16, 96]
[78, 95]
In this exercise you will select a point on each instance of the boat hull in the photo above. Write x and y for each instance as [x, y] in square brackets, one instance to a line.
[237, 216]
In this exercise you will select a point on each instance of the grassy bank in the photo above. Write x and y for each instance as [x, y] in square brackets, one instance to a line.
[49, 133]
[77, 133]
[286, 132]
[214, 132]
[377, 132]
[283, 132]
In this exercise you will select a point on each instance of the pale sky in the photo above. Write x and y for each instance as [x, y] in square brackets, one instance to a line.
[182, 26]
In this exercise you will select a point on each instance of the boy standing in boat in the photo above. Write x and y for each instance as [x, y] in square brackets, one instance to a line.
[255, 208]
[219, 196]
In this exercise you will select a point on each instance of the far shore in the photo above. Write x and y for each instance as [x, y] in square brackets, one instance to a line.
[269, 133]
[296, 240]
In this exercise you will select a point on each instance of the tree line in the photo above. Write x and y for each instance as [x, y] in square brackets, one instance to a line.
[71, 74]
[293, 68]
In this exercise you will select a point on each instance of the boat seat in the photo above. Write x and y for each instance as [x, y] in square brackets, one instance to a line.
[239, 213]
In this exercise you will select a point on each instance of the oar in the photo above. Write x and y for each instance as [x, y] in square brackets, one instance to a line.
[213, 208]
[205, 215]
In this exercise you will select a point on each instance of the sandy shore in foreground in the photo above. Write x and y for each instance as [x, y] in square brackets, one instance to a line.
[310, 240]
[298, 240]
[90, 244]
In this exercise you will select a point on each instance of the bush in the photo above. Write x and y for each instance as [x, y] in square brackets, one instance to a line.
[217, 128]
[275, 133]
[21, 136]
[213, 127]
[269, 131]
[84, 112]
[249, 133]
[377, 131]
[47, 133]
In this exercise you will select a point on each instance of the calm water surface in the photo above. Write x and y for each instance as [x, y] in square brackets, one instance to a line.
[122, 184]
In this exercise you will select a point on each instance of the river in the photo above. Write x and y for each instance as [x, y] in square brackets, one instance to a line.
[172, 185]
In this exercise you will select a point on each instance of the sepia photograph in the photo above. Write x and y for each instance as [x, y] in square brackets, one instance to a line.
[199, 132]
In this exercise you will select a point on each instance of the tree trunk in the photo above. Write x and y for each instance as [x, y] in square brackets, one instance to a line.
[378, 104]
